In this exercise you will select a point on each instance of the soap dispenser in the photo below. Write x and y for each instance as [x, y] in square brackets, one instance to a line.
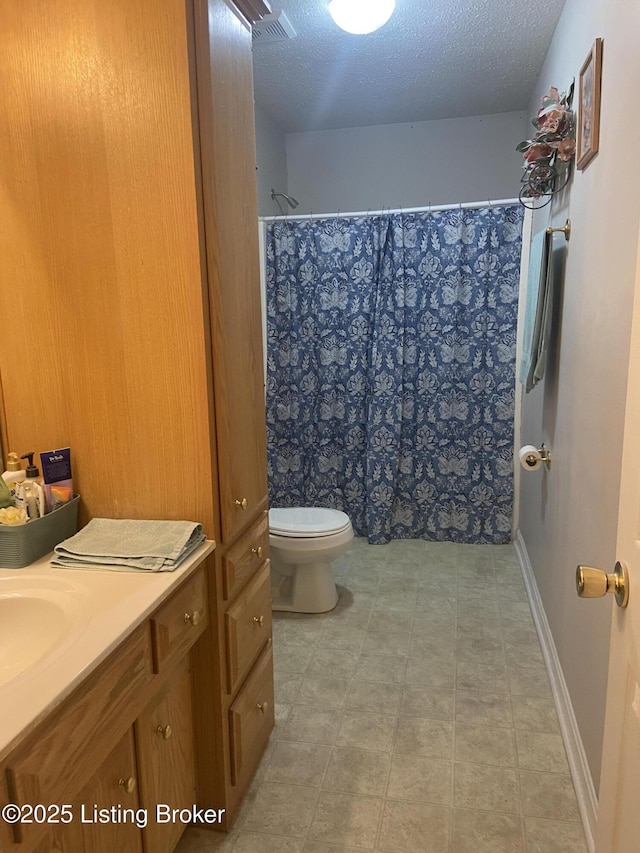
[13, 476]
[32, 489]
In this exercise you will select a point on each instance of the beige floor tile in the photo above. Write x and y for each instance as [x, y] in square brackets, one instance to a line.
[281, 810]
[484, 745]
[381, 697]
[541, 751]
[548, 795]
[403, 601]
[424, 780]
[414, 828]
[535, 715]
[307, 724]
[427, 738]
[424, 700]
[323, 692]
[354, 600]
[483, 709]
[333, 663]
[249, 842]
[551, 836]
[425, 634]
[480, 650]
[478, 786]
[367, 731]
[438, 673]
[286, 685]
[291, 658]
[386, 643]
[475, 626]
[394, 621]
[432, 646]
[486, 832]
[357, 771]
[343, 637]
[387, 668]
[196, 840]
[298, 764]
[481, 677]
[346, 819]
[399, 583]
[529, 681]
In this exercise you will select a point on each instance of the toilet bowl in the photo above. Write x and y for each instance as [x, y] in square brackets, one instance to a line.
[304, 541]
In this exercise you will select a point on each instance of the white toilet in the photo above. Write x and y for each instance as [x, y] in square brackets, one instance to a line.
[304, 541]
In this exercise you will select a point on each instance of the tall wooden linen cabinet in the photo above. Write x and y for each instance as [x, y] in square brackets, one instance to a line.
[129, 292]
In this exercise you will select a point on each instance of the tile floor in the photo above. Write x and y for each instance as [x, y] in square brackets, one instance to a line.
[415, 718]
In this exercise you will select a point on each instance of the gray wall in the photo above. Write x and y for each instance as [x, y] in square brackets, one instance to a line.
[406, 165]
[569, 515]
[271, 162]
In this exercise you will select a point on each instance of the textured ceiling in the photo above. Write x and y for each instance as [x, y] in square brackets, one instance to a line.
[434, 59]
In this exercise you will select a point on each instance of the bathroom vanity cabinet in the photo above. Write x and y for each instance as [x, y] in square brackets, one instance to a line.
[123, 739]
[131, 253]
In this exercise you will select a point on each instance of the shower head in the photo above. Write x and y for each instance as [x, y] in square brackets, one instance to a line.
[292, 201]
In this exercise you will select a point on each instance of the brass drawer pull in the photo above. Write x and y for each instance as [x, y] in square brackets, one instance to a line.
[127, 785]
[165, 732]
[241, 504]
[259, 620]
[263, 707]
[257, 552]
[194, 618]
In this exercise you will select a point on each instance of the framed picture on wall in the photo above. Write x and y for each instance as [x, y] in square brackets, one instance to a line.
[589, 109]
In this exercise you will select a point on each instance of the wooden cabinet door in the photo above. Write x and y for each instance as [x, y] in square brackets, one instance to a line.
[166, 767]
[227, 149]
[111, 790]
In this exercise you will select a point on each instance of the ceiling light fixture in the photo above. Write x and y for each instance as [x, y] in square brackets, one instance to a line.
[361, 16]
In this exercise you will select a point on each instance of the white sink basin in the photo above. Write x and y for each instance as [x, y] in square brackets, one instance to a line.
[39, 619]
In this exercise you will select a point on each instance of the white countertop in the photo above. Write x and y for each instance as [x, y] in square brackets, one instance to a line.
[106, 605]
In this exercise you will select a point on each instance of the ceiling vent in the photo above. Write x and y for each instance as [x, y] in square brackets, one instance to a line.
[273, 28]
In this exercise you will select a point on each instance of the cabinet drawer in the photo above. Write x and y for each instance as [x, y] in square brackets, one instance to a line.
[251, 718]
[244, 558]
[248, 626]
[62, 754]
[178, 623]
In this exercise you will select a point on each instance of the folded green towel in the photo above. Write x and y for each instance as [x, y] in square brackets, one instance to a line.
[129, 545]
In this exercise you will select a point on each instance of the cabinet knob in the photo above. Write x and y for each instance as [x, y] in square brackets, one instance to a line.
[165, 732]
[259, 620]
[194, 617]
[263, 707]
[242, 504]
[128, 785]
[257, 551]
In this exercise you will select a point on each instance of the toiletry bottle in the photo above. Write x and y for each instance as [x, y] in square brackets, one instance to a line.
[33, 491]
[14, 475]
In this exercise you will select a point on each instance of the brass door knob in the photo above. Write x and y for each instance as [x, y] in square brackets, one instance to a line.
[259, 620]
[128, 785]
[257, 552]
[165, 732]
[242, 504]
[263, 707]
[594, 583]
[194, 618]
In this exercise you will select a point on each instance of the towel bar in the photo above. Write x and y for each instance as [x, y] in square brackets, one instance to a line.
[566, 230]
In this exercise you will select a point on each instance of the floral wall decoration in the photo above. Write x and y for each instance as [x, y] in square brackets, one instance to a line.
[549, 155]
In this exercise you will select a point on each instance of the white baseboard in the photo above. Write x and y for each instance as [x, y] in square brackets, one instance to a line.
[583, 783]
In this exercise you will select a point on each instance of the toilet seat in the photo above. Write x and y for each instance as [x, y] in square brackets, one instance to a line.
[307, 522]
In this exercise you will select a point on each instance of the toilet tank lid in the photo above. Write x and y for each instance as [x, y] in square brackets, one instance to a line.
[307, 521]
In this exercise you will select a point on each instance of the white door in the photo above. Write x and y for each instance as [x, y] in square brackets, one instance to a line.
[618, 829]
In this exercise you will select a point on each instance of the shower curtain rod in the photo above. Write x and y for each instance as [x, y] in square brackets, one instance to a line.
[387, 211]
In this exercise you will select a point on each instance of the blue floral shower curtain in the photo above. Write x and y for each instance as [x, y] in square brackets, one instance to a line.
[391, 370]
